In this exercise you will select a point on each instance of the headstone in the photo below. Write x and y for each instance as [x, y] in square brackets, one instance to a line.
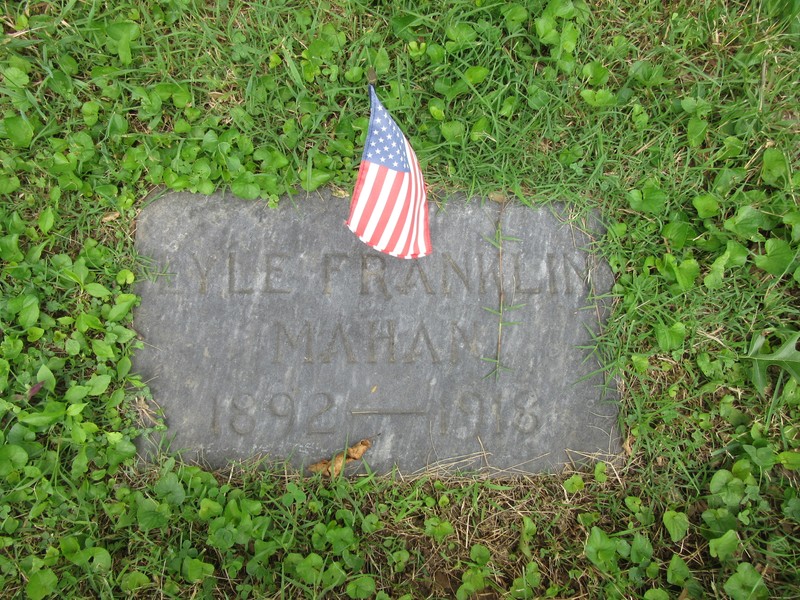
[276, 333]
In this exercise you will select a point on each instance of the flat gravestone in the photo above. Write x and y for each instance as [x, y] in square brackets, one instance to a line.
[276, 333]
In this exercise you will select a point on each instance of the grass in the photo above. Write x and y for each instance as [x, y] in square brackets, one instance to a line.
[679, 123]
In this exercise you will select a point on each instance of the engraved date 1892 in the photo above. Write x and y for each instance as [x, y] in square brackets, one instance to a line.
[243, 413]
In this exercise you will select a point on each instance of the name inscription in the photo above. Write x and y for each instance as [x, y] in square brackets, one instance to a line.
[277, 332]
[269, 273]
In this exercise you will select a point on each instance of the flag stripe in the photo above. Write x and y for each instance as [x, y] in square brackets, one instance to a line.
[391, 223]
[389, 194]
[423, 233]
[366, 176]
[402, 244]
[400, 231]
[375, 199]
[425, 244]
[398, 191]
[371, 195]
[412, 246]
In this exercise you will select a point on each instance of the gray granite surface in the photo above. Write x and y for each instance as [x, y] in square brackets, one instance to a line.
[275, 332]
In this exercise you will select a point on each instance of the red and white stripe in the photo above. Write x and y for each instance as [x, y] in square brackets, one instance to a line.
[389, 209]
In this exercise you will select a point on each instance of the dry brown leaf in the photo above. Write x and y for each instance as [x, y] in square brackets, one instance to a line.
[627, 445]
[498, 196]
[110, 217]
[322, 466]
[356, 451]
[334, 467]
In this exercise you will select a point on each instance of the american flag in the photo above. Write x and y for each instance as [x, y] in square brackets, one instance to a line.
[389, 209]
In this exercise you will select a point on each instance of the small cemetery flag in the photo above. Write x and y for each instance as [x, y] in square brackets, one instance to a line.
[389, 209]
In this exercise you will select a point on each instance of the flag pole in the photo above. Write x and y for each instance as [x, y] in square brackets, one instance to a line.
[372, 78]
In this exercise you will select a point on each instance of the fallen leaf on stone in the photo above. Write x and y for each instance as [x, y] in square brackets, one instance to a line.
[334, 467]
[498, 196]
[356, 451]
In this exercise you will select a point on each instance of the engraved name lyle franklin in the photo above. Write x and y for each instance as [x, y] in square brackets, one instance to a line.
[274, 332]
